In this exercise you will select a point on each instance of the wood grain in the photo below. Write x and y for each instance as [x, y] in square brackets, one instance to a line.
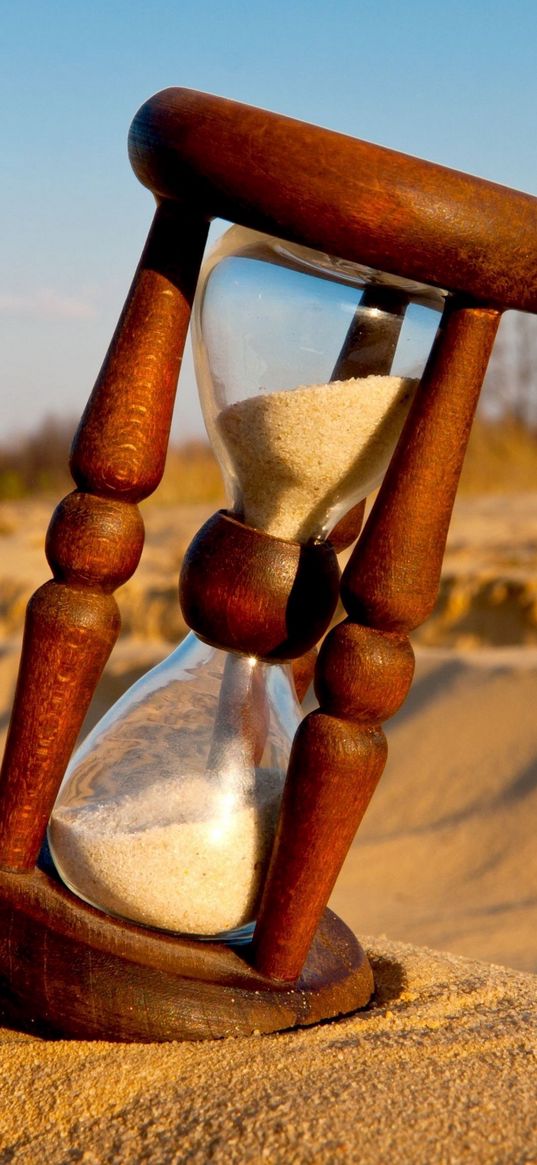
[75, 972]
[392, 578]
[303, 668]
[371, 340]
[363, 673]
[96, 534]
[333, 770]
[340, 195]
[120, 447]
[243, 590]
[348, 528]
[69, 633]
[94, 540]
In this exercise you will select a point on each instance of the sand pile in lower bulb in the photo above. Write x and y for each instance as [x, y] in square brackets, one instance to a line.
[154, 858]
[298, 453]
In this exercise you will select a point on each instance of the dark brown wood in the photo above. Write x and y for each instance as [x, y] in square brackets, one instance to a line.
[392, 578]
[348, 528]
[333, 770]
[120, 447]
[76, 972]
[346, 197]
[371, 340]
[363, 673]
[362, 676]
[95, 538]
[68, 636]
[303, 670]
[243, 590]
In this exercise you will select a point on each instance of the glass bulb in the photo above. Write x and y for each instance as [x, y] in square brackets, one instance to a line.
[307, 367]
[167, 813]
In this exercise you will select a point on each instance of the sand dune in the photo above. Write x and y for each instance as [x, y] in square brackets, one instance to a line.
[446, 854]
[488, 593]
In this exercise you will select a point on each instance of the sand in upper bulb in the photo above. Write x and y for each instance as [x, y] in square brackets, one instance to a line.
[298, 453]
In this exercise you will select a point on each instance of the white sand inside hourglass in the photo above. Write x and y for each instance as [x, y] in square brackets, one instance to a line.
[298, 454]
[151, 855]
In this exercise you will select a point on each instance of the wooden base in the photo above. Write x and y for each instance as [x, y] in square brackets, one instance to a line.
[69, 970]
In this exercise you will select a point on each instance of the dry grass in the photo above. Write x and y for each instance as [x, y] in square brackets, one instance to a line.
[192, 475]
[501, 458]
[36, 464]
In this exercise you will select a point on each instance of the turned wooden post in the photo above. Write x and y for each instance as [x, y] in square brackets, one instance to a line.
[96, 535]
[366, 663]
[371, 340]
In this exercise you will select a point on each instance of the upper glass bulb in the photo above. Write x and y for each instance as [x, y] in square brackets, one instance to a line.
[307, 366]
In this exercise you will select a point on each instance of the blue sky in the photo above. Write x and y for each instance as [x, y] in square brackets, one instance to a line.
[454, 82]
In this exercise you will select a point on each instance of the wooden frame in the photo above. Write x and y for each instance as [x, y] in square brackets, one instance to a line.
[204, 157]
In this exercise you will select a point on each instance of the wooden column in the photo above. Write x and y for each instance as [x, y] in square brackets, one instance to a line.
[96, 535]
[365, 665]
[372, 338]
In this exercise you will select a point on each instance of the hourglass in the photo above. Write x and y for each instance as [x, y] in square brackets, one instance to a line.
[168, 813]
[200, 828]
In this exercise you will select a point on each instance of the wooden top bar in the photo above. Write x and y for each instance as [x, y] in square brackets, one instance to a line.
[341, 195]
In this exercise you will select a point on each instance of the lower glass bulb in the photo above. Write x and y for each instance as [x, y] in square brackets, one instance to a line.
[167, 813]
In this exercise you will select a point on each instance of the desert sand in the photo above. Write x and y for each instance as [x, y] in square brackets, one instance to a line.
[442, 1068]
